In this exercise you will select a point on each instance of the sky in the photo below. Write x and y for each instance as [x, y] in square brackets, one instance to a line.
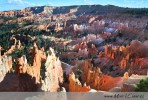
[20, 4]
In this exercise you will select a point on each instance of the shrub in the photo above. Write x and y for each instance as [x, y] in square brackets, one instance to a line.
[142, 86]
[26, 23]
[78, 73]
[120, 34]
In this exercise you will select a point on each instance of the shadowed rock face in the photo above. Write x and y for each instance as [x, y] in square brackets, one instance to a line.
[8, 80]
[27, 76]
[27, 83]
[5, 66]
[38, 57]
[10, 83]
[30, 78]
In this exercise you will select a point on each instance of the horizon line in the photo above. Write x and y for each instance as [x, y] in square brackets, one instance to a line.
[76, 5]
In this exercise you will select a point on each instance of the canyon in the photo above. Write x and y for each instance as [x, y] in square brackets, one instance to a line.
[69, 49]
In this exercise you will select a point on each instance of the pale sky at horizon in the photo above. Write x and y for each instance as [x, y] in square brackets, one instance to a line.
[20, 4]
